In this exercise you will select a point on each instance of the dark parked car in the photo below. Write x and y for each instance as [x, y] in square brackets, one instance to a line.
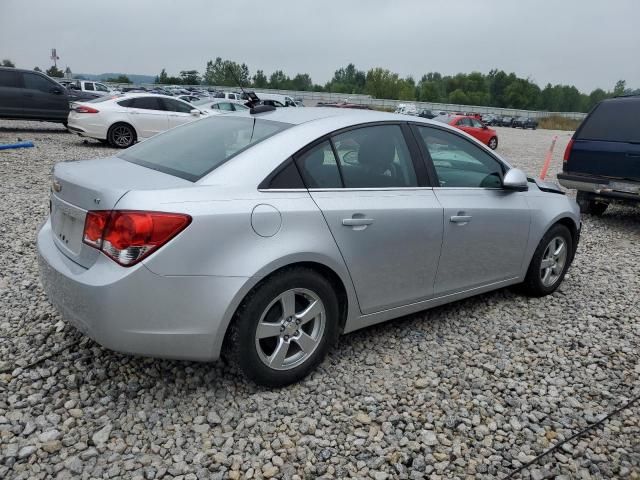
[525, 122]
[424, 113]
[29, 95]
[602, 159]
[506, 121]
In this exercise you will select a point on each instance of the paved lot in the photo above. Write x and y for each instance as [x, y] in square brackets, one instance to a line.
[469, 390]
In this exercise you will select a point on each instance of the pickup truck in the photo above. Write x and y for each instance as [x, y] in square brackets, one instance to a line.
[96, 88]
[602, 159]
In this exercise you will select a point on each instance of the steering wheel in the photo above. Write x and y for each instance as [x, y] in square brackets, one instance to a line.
[350, 157]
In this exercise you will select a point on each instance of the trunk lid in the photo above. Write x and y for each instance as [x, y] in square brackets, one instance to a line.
[95, 185]
[619, 160]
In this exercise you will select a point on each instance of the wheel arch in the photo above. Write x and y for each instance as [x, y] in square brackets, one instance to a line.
[347, 302]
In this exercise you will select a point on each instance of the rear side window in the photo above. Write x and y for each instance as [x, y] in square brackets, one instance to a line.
[375, 157]
[194, 150]
[319, 168]
[34, 81]
[9, 79]
[88, 86]
[176, 106]
[613, 121]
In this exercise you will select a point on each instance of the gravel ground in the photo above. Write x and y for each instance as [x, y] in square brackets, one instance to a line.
[470, 390]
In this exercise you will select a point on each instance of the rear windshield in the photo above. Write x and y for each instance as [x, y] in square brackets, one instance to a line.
[443, 118]
[103, 98]
[613, 121]
[194, 150]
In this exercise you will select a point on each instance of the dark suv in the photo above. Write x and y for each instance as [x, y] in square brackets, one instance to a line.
[602, 159]
[29, 95]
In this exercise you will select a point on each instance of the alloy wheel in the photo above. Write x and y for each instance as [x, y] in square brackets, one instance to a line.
[122, 136]
[290, 329]
[553, 261]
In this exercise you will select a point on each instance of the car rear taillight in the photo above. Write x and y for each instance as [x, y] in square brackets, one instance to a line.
[128, 236]
[567, 151]
[85, 109]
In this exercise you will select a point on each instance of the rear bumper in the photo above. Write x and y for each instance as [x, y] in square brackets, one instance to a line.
[133, 310]
[86, 126]
[599, 186]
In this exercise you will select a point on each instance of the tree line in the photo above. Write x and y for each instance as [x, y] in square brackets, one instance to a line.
[496, 88]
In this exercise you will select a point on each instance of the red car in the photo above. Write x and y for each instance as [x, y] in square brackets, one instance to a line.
[473, 127]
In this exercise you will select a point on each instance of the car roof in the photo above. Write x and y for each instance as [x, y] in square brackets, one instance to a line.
[297, 116]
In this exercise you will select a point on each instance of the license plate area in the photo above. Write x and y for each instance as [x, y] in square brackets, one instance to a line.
[67, 223]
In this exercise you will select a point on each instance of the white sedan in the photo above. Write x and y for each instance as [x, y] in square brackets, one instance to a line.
[121, 120]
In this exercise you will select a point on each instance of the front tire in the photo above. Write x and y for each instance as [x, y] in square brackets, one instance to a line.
[121, 135]
[493, 143]
[284, 328]
[550, 262]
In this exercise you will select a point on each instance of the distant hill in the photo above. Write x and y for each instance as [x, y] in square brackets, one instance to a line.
[137, 79]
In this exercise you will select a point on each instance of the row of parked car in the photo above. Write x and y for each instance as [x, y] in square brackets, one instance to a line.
[117, 117]
[514, 122]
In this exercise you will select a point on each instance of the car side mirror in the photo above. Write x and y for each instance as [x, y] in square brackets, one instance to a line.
[195, 112]
[515, 179]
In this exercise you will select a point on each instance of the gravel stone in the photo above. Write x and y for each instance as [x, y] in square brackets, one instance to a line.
[467, 390]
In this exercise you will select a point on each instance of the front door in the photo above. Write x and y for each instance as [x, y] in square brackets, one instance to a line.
[43, 98]
[486, 228]
[148, 116]
[387, 226]
[179, 112]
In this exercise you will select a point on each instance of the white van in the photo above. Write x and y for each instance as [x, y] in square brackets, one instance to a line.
[276, 99]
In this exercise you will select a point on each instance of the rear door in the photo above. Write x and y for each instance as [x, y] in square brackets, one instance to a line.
[486, 228]
[11, 99]
[178, 112]
[148, 116]
[607, 144]
[386, 222]
[44, 98]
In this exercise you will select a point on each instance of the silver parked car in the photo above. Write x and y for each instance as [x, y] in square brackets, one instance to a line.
[266, 235]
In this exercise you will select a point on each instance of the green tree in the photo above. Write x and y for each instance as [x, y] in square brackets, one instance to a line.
[302, 81]
[36, 69]
[162, 78]
[8, 63]
[260, 80]
[121, 79]
[279, 81]
[347, 80]
[226, 73]
[190, 77]
[619, 88]
[381, 83]
[55, 72]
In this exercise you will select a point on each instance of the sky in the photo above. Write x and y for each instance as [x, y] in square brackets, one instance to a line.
[586, 43]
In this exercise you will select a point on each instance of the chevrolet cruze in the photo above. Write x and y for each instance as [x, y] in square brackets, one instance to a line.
[263, 235]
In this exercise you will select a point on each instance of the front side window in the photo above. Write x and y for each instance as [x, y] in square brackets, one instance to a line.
[460, 163]
[101, 88]
[319, 168]
[476, 123]
[33, 81]
[464, 122]
[176, 106]
[375, 157]
[195, 149]
[147, 103]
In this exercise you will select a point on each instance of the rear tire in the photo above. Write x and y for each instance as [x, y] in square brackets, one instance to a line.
[121, 135]
[550, 262]
[493, 143]
[590, 205]
[272, 340]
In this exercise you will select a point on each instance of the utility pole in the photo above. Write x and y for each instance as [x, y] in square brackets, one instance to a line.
[54, 57]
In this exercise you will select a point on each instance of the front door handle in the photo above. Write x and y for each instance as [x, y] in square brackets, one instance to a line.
[357, 222]
[462, 219]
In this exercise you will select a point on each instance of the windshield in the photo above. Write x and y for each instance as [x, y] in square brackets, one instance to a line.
[194, 150]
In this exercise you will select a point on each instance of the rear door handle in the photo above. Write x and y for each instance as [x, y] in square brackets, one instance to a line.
[460, 219]
[356, 222]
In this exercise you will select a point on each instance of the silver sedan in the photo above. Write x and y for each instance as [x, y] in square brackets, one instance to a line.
[265, 235]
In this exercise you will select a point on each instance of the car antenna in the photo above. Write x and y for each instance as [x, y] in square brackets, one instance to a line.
[253, 99]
